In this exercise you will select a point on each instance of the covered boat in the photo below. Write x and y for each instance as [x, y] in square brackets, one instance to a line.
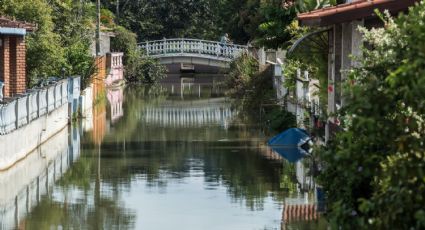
[289, 144]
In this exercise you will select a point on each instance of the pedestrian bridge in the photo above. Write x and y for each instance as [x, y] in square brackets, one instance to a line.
[192, 51]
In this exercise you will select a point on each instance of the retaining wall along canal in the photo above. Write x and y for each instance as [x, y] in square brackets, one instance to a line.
[31, 119]
[17, 144]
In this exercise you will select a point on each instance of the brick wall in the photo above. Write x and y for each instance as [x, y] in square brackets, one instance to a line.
[13, 65]
[4, 65]
[21, 76]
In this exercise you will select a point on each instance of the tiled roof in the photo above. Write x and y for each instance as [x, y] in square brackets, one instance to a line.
[352, 11]
[9, 23]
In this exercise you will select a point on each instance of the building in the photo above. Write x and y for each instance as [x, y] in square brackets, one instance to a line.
[341, 24]
[13, 55]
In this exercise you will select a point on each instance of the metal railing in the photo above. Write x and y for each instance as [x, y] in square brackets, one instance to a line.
[196, 47]
[19, 111]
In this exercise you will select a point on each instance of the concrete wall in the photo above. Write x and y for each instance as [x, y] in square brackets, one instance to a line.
[87, 101]
[105, 44]
[17, 144]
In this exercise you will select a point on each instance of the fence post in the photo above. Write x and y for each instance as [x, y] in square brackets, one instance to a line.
[38, 103]
[218, 48]
[47, 100]
[28, 108]
[17, 114]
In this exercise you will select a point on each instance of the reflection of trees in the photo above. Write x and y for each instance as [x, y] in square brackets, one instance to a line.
[289, 178]
[93, 209]
[108, 215]
[159, 154]
[247, 175]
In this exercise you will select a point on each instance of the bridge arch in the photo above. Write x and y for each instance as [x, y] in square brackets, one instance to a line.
[193, 51]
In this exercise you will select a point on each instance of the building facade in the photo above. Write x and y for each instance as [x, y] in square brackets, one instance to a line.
[13, 56]
[345, 41]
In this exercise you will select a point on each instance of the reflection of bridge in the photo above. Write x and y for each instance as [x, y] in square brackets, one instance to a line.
[196, 113]
[192, 51]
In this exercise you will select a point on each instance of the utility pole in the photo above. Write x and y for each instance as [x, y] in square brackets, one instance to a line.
[98, 29]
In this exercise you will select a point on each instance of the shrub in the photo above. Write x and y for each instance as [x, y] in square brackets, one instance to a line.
[255, 90]
[374, 171]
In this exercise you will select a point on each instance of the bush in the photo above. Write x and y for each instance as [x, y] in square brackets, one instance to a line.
[146, 70]
[137, 67]
[255, 90]
[374, 171]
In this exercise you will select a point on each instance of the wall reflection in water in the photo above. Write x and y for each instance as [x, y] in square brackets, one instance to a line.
[166, 163]
[301, 205]
[23, 186]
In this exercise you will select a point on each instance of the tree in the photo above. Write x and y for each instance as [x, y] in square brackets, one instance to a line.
[62, 38]
[44, 50]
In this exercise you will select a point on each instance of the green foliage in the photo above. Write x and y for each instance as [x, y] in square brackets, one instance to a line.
[239, 78]
[278, 119]
[239, 18]
[137, 67]
[125, 41]
[147, 70]
[374, 170]
[309, 5]
[262, 22]
[310, 55]
[254, 89]
[62, 39]
[273, 28]
[107, 18]
[155, 19]
[45, 53]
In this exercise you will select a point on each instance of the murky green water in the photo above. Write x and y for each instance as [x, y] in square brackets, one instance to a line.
[146, 159]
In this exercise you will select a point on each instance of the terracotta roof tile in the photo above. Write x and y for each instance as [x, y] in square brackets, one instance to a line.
[352, 11]
[9, 23]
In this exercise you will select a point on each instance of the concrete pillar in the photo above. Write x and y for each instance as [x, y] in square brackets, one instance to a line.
[331, 76]
[338, 53]
[351, 40]
[262, 56]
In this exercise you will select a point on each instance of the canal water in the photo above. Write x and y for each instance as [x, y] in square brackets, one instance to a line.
[172, 156]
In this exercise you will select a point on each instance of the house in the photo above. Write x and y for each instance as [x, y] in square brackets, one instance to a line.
[341, 24]
[104, 43]
[13, 55]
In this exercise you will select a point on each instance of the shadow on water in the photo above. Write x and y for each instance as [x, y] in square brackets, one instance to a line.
[163, 157]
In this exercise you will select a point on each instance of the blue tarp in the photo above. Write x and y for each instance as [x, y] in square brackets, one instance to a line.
[288, 144]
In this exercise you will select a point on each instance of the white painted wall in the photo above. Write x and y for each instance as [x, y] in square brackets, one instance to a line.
[17, 144]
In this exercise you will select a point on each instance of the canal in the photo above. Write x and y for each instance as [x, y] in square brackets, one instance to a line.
[172, 156]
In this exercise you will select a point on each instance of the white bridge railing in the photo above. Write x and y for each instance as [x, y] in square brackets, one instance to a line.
[195, 47]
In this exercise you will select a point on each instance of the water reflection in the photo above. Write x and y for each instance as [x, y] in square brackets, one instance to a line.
[301, 205]
[115, 101]
[25, 184]
[168, 163]
[189, 113]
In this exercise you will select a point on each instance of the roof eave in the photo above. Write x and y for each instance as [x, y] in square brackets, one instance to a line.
[351, 12]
